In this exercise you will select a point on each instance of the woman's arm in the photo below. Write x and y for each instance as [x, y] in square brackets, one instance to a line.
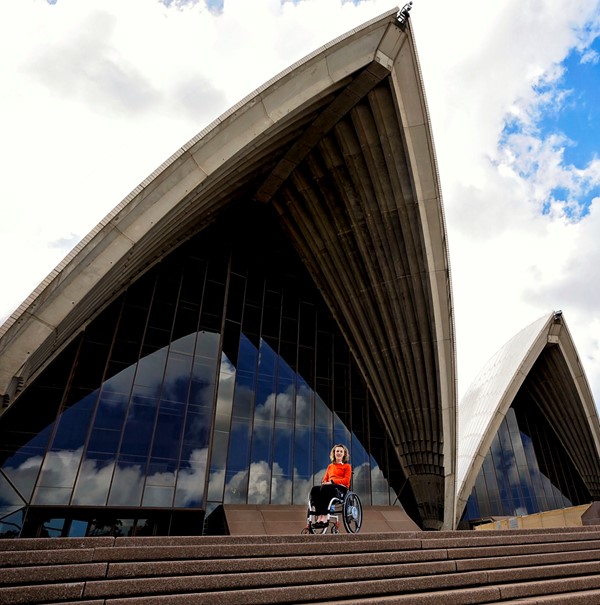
[347, 475]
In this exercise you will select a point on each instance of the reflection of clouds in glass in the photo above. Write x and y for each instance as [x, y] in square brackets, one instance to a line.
[149, 370]
[94, 477]
[190, 484]
[303, 407]
[225, 390]
[60, 468]
[266, 485]
[8, 497]
[259, 488]
[264, 413]
[93, 482]
[362, 473]
[119, 383]
[243, 401]
[227, 366]
[24, 473]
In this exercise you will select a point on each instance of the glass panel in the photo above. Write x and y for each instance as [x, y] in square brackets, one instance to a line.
[243, 402]
[282, 453]
[9, 497]
[114, 398]
[197, 431]
[161, 472]
[52, 528]
[140, 426]
[105, 524]
[142, 527]
[271, 315]
[125, 527]
[498, 467]
[303, 444]
[217, 469]
[177, 377]
[60, 469]
[285, 393]
[158, 496]
[281, 488]
[323, 438]
[73, 424]
[260, 470]
[51, 495]
[191, 478]
[259, 483]
[23, 467]
[361, 471]
[104, 440]
[128, 481]
[238, 461]
[225, 395]
[94, 480]
[212, 304]
[169, 426]
[11, 525]
[236, 486]
[207, 346]
[149, 372]
[78, 529]
[301, 487]
[235, 298]
[185, 344]
[379, 486]
[540, 501]
[204, 370]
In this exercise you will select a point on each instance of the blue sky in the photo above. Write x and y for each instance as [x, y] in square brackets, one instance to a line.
[566, 114]
[98, 93]
[579, 117]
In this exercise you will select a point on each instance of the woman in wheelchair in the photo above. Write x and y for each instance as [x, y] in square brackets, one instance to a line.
[336, 482]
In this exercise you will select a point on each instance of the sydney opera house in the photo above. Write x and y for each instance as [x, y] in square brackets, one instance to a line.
[280, 284]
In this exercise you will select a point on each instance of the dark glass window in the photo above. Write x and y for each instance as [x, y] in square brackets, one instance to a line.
[526, 470]
[218, 376]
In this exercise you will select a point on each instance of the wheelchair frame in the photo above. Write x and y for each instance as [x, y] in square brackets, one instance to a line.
[349, 507]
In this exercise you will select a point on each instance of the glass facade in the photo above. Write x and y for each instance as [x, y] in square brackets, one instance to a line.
[217, 377]
[526, 470]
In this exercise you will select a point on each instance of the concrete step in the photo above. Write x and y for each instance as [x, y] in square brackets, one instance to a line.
[248, 519]
[409, 567]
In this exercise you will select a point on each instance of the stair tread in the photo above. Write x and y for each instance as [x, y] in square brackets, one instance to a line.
[531, 567]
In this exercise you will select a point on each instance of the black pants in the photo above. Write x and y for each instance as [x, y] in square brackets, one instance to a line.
[321, 495]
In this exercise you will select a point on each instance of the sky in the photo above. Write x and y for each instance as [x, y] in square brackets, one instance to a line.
[96, 94]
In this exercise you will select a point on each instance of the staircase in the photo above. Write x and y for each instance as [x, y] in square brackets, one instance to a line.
[542, 566]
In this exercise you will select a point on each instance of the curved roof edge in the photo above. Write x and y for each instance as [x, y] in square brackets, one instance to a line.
[488, 399]
[431, 209]
[38, 317]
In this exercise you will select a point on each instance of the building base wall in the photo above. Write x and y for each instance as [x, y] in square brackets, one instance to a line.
[272, 520]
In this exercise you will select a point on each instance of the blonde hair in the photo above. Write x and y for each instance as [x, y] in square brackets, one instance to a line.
[346, 453]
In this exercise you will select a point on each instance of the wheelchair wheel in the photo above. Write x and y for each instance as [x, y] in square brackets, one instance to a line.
[352, 513]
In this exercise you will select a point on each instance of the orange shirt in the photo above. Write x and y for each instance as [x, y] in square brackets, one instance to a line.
[338, 473]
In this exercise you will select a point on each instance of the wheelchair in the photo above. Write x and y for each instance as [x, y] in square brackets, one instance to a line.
[347, 505]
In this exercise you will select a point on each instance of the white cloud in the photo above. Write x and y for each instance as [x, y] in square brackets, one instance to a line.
[97, 94]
